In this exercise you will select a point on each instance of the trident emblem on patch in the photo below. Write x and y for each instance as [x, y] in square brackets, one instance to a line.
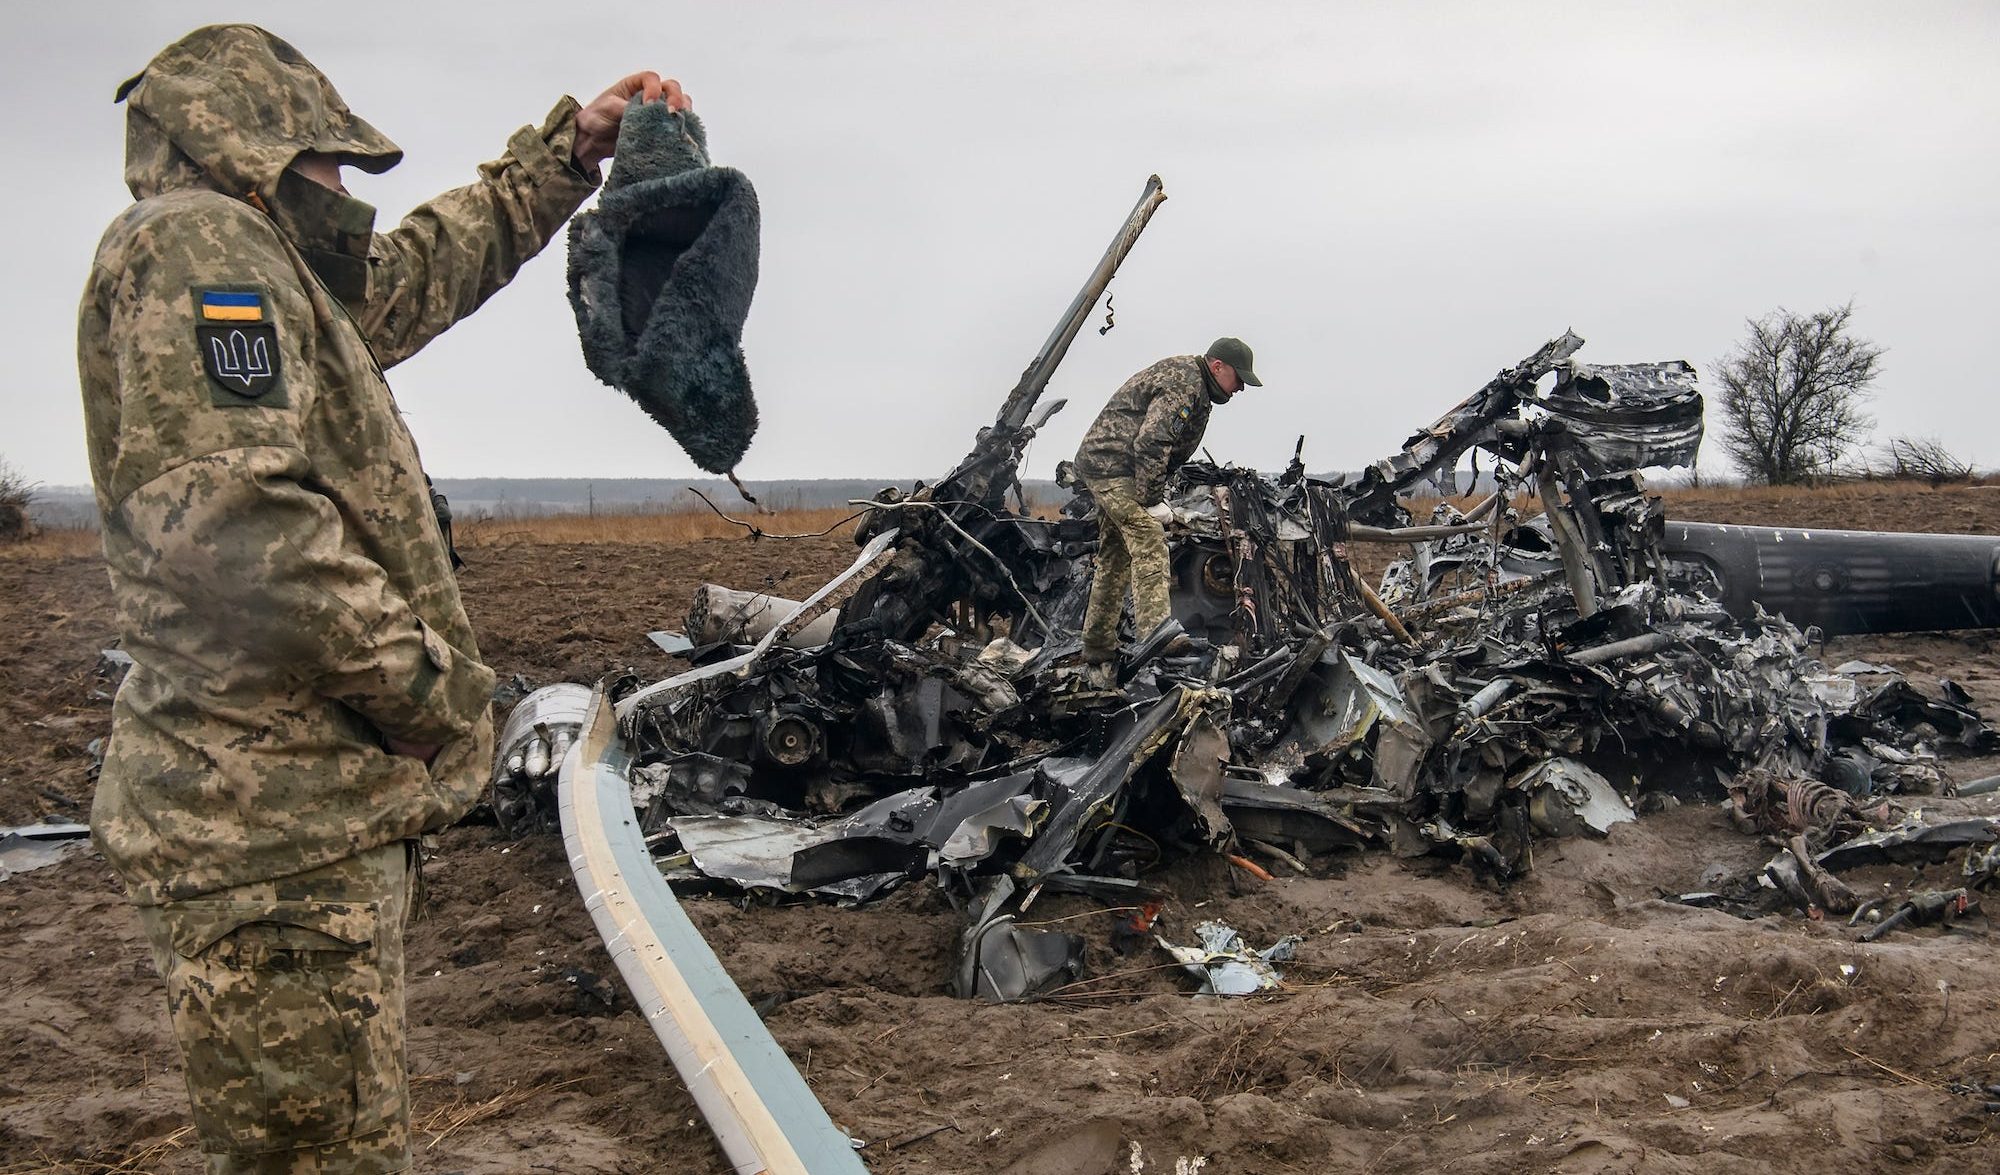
[242, 359]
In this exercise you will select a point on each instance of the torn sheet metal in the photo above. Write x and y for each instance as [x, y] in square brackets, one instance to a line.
[980, 821]
[1005, 962]
[28, 847]
[1226, 966]
[1629, 416]
[1197, 774]
[1913, 841]
[724, 616]
[1356, 713]
[752, 852]
[1566, 798]
[1314, 821]
[802, 614]
[673, 644]
[1090, 794]
[1002, 961]
[858, 855]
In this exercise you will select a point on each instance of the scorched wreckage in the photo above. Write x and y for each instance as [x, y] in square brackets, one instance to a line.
[1546, 662]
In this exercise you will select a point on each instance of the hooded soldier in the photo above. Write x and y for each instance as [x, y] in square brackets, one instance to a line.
[306, 695]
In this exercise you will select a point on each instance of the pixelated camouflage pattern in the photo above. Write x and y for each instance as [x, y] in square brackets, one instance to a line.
[197, 96]
[1131, 553]
[1151, 426]
[280, 577]
[287, 1000]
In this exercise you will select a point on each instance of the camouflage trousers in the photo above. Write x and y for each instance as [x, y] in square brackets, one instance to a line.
[287, 999]
[1131, 553]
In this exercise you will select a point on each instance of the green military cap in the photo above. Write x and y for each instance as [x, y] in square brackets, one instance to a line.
[1236, 353]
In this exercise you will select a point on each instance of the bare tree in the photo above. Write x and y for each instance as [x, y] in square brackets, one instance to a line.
[1792, 392]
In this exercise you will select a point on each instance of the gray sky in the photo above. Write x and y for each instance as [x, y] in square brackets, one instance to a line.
[1388, 202]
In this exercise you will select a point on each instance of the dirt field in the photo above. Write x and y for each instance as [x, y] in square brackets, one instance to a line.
[1574, 1022]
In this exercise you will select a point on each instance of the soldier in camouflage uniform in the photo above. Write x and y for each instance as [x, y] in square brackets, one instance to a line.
[307, 696]
[1151, 426]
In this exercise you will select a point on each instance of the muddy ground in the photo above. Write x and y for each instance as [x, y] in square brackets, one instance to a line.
[1574, 1022]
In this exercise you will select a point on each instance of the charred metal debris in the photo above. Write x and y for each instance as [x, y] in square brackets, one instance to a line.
[1544, 663]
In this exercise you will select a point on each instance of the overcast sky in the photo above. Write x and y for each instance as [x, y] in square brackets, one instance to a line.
[1388, 202]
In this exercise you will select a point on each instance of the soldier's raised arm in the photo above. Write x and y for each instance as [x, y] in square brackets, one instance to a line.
[452, 253]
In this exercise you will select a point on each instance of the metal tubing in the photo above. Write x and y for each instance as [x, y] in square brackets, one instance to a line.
[1382, 612]
[763, 1113]
[1979, 787]
[1489, 696]
[1478, 513]
[1014, 413]
[1569, 542]
[1638, 646]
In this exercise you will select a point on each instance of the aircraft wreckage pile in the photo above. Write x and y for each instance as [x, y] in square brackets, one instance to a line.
[1544, 664]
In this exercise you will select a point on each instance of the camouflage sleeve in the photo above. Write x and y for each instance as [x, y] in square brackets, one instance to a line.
[451, 254]
[215, 491]
[1152, 448]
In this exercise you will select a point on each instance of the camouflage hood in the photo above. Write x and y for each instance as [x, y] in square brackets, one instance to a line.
[230, 107]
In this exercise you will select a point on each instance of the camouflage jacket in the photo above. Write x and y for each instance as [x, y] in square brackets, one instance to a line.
[1151, 426]
[280, 578]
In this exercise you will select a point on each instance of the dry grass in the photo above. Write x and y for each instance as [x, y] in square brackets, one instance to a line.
[53, 544]
[656, 529]
[678, 527]
[447, 1120]
[1827, 491]
[1257, 1054]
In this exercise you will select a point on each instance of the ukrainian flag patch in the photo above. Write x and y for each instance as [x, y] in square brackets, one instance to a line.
[236, 334]
[232, 306]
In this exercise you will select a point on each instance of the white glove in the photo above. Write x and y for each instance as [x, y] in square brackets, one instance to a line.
[1160, 513]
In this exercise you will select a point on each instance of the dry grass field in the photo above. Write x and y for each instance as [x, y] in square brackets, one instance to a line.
[679, 527]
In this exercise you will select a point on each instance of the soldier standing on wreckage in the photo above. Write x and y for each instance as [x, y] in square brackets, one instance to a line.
[306, 695]
[1151, 426]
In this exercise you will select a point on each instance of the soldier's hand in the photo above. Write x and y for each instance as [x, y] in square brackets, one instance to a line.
[422, 752]
[597, 124]
[1161, 513]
